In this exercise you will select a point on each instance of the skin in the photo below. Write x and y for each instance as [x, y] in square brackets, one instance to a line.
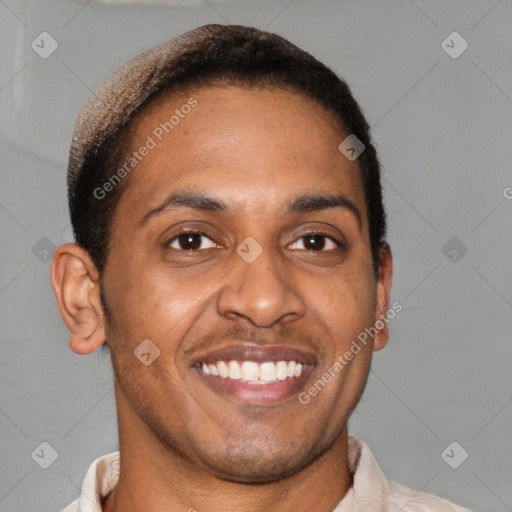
[182, 444]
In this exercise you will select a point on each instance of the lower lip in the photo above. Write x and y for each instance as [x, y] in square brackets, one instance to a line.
[257, 394]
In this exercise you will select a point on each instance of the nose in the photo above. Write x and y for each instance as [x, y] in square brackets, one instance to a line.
[262, 292]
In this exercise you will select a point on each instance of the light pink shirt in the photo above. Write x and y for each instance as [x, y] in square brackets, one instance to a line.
[371, 492]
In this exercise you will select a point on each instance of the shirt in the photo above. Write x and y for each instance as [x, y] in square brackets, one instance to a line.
[371, 490]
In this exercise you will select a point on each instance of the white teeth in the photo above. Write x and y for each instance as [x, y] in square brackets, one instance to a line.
[282, 370]
[268, 371]
[234, 370]
[253, 372]
[223, 369]
[250, 370]
[291, 369]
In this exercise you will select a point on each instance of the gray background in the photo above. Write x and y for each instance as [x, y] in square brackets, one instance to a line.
[443, 129]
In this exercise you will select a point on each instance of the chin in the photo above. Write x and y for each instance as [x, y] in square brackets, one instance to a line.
[256, 468]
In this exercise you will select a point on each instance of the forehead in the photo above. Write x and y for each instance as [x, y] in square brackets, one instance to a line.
[246, 145]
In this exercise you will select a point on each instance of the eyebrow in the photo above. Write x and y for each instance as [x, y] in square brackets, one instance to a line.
[195, 200]
[325, 201]
[302, 204]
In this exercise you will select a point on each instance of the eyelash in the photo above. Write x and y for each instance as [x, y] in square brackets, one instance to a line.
[336, 242]
[201, 233]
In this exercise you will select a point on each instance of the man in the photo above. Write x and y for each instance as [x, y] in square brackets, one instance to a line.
[226, 202]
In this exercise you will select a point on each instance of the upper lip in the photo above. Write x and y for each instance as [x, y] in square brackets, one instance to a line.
[257, 353]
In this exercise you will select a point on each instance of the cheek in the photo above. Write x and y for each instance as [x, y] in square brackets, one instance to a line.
[347, 305]
[155, 302]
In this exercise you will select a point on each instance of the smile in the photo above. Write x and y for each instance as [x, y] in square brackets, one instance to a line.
[253, 372]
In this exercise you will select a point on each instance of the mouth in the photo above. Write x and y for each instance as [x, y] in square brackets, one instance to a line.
[254, 374]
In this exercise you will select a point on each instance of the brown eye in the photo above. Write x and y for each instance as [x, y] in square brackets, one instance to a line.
[315, 242]
[191, 241]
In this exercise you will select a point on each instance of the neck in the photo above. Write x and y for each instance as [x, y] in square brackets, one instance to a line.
[155, 477]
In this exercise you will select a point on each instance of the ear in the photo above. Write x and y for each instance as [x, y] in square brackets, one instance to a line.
[384, 279]
[75, 282]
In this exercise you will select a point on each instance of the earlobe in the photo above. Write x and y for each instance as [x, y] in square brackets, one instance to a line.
[384, 281]
[75, 282]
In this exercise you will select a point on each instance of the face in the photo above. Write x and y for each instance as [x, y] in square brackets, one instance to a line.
[240, 249]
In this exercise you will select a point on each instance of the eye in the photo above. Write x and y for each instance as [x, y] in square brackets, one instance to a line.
[191, 241]
[318, 242]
